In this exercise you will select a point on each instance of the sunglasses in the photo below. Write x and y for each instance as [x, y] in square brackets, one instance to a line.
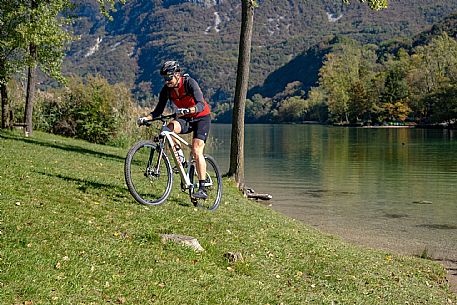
[168, 78]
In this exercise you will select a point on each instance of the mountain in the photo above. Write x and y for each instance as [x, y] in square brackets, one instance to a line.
[203, 35]
[448, 25]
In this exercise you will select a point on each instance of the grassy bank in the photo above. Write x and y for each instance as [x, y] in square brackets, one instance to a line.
[72, 234]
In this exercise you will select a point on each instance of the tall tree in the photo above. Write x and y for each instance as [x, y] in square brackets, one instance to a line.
[44, 36]
[236, 169]
[339, 72]
[11, 44]
[4, 98]
[31, 75]
[242, 79]
[32, 33]
[433, 67]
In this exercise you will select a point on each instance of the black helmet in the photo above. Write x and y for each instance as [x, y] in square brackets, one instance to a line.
[170, 67]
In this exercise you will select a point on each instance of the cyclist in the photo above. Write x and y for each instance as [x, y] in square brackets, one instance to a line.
[193, 114]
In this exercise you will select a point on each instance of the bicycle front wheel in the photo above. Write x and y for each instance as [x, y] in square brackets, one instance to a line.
[213, 185]
[148, 173]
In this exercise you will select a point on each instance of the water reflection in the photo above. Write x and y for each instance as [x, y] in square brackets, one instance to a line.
[363, 184]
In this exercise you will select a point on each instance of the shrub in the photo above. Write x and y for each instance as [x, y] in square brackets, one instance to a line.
[90, 109]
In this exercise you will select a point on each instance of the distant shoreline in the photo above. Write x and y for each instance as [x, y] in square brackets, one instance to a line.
[436, 126]
[400, 126]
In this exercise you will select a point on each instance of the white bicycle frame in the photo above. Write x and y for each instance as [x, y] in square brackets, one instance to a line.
[170, 135]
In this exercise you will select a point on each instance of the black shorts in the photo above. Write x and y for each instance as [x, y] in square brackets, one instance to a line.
[200, 126]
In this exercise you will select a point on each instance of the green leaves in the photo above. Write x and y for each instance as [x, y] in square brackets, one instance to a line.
[38, 22]
[374, 4]
[89, 109]
[107, 6]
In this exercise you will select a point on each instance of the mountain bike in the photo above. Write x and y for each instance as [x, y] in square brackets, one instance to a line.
[149, 173]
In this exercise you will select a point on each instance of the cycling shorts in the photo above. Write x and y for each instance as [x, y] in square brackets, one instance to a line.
[200, 126]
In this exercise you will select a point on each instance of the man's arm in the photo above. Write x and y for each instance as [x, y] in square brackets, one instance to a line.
[163, 99]
[194, 89]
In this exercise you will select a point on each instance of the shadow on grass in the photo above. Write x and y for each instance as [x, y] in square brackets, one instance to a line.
[66, 147]
[115, 192]
[85, 186]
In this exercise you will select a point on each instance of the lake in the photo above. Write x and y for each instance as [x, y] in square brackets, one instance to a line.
[388, 188]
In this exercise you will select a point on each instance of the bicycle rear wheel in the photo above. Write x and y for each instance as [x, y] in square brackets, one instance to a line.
[213, 185]
[148, 173]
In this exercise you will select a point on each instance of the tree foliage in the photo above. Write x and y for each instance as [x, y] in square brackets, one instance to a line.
[35, 33]
[43, 25]
[401, 87]
[89, 109]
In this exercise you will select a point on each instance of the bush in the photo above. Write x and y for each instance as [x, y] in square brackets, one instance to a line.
[91, 110]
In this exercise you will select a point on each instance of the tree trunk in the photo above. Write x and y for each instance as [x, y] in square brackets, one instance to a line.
[244, 57]
[31, 75]
[4, 94]
[31, 79]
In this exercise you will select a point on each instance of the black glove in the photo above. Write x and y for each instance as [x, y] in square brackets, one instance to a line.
[182, 111]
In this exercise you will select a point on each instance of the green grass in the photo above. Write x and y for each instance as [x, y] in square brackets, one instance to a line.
[72, 234]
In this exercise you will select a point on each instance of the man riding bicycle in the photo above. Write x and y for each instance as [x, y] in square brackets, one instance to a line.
[193, 114]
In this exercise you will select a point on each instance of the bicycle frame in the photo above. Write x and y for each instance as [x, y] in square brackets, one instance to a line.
[169, 135]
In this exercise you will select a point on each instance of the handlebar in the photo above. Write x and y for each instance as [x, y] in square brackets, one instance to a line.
[163, 118]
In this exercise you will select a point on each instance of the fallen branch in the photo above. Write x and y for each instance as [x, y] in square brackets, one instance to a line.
[251, 194]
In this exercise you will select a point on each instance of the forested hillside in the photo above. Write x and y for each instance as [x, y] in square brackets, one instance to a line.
[204, 35]
[400, 82]
[305, 67]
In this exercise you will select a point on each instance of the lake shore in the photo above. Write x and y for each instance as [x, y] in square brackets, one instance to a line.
[448, 260]
[399, 245]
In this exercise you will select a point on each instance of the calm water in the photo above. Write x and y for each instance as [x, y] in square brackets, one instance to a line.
[388, 188]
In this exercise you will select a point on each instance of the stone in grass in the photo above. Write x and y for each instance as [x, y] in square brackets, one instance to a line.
[183, 239]
[233, 257]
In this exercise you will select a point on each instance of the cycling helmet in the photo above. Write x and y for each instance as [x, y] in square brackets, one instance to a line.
[170, 67]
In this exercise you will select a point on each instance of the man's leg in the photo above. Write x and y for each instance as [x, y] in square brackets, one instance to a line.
[175, 126]
[198, 146]
[197, 150]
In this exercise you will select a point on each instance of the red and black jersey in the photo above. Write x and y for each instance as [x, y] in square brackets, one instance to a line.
[187, 94]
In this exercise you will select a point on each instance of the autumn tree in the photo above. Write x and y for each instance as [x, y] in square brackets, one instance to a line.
[339, 72]
[34, 34]
[433, 70]
[293, 109]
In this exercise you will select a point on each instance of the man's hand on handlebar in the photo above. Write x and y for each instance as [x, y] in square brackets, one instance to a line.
[182, 111]
[143, 120]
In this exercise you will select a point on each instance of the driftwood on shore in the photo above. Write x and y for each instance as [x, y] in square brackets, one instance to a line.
[251, 194]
